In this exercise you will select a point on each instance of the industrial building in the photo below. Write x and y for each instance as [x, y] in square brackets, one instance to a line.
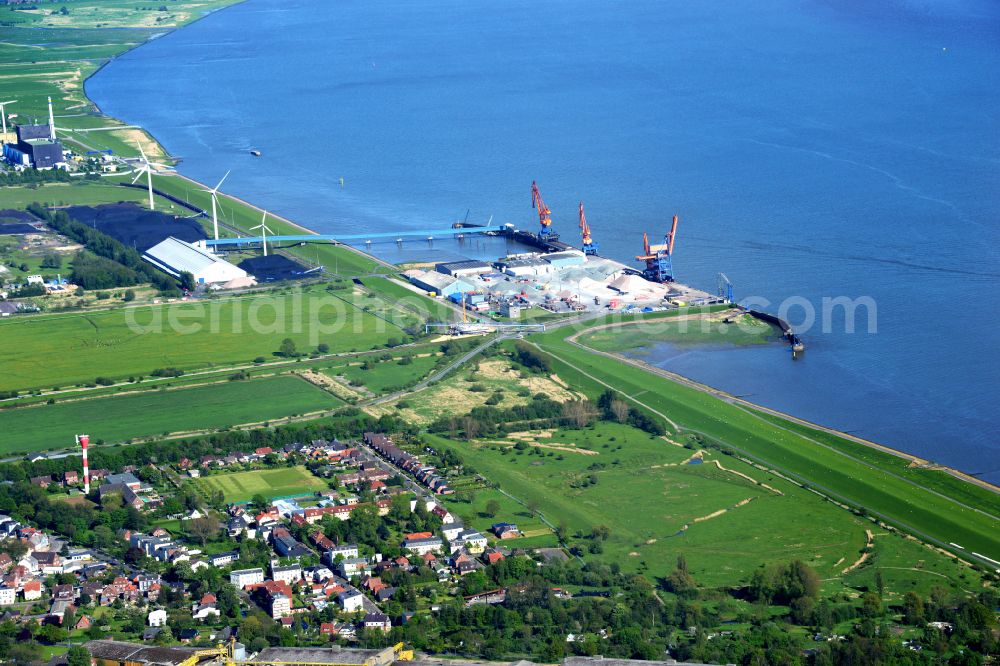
[36, 147]
[174, 256]
[565, 259]
[329, 655]
[120, 653]
[438, 283]
[464, 268]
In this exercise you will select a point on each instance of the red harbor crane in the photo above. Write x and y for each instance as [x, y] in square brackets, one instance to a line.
[659, 258]
[589, 246]
[544, 214]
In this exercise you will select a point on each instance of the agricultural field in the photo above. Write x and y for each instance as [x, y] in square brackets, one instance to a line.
[156, 412]
[242, 486]
[67, 349]
[874, 488]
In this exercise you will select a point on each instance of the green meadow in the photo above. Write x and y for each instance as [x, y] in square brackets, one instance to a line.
[67, 349]
[870, 487]
[158, 412]
[658, 506]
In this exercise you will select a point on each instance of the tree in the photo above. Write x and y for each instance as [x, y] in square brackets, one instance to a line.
[492, 508]
[78, 656]
[579, 413]
[69, 619]
[287, 348]
[204, 528]
[620, 410]
[602, 532]
[913, 608]
[187, 280]
[129, 295]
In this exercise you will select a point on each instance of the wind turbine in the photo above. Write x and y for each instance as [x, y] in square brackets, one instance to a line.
[214, 191]
[3, 112]
[263, 231]
[147, 168]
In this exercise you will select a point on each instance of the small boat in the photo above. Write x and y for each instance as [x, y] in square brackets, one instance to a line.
[255, 153]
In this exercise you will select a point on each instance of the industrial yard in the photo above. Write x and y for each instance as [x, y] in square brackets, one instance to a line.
[559, 278]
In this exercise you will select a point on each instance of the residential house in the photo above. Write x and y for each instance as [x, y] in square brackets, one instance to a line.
[351, 601]
[8, 595]
[32, 590]
[423, 542]
[291, 574]
[451, 531]
[245, 577]
[470, 540]
[378, 621]
[353, 566]
[223, 559]
[157, 618]
[346, 550]
[505, 530]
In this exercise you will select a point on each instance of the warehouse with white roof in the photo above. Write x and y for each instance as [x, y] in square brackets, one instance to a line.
[175, 257]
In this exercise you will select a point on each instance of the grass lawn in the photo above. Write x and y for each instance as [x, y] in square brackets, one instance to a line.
[242, 486]
[829, 469]
[151, 413]
[67, 349]
[387, 376]
[658, 507]
[711, 329]
[77, 193]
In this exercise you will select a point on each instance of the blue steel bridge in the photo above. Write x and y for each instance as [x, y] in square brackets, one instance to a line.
[414, 234]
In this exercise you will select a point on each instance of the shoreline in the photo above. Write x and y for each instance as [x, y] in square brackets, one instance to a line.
[730, 398]
[718, 393]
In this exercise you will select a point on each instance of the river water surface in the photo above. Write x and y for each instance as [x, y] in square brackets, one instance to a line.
[812, 149]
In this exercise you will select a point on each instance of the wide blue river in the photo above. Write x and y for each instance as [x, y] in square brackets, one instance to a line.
[813, 149]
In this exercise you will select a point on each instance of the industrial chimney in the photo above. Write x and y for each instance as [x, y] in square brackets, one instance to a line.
[83, 440]
[52, 135]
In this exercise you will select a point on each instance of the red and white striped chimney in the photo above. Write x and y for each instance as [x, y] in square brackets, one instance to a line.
[83, 440]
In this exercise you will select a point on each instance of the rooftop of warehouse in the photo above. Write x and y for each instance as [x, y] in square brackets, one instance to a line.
[460, 265]
[121, 651]
[318, 655]
[175, 253]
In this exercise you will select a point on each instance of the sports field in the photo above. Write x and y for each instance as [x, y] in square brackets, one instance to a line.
[67, 349]
[242, 486]
[152, 413]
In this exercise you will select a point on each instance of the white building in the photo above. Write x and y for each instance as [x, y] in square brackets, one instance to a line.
[471, 540]
[345, 550]
[157, 618]
[423, 546]
[246, 577]
[175, 257]
[290, 574]
[8, 595]
[351, 601]
[452, 531]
